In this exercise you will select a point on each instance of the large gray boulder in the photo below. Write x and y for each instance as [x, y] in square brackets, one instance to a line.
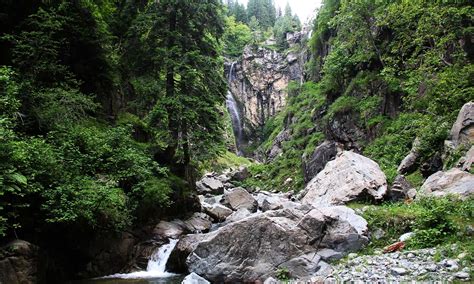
[462, 131]
[254, 248]
[349, 177]
[239, 198]
[454, 181]
[313, 164]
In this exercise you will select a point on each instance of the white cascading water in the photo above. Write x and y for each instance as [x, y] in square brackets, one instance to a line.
[156, 267]
[234, 112]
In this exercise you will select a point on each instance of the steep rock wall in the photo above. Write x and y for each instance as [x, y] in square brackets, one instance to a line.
[259, 81]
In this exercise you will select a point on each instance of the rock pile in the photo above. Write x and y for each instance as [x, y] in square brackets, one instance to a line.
[418, 265]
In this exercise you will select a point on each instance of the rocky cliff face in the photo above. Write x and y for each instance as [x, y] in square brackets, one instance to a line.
[259, 81]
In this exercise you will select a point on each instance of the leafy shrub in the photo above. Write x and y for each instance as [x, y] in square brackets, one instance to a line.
[283, 274]
[434, 220]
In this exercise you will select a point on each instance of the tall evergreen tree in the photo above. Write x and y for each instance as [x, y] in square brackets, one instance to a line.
[194, 85]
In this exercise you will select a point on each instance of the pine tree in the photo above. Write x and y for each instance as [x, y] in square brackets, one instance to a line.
[194, 84]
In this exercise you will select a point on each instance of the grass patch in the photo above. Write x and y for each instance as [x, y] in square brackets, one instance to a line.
[435, 221]
[225, 161]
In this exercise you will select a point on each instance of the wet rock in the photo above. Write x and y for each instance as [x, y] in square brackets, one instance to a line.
[314, 163]
[349, 177]
[166, 230]
[186, 244]
[19, 263]
[453, 181]
[193, 278]
[239, 198]
[111, 254]
[198, 223]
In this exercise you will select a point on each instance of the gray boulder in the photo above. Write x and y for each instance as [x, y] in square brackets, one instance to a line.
[240, 174]
[316, 162]
[217, 211]
[349, 177]
[184, 247]
[166, 230]
[409, 163]
[462, 131]
[465, 163]
[193, 278]
[238, 215]
[198, 223]
[254, 248]
[210, 184]
[239, 198]
[453, 181]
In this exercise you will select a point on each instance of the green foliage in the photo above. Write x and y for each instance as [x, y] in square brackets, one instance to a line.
[283, 25]
[398, 135]
[434, 221]
[228, 160]
[236, 37]
[283, 274]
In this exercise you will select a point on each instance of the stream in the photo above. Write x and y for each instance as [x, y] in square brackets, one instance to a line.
[154, 274]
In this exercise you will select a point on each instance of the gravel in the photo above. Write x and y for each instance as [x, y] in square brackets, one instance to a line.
[397, 267]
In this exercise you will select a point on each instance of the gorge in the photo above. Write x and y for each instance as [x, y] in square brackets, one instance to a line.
[216, 142]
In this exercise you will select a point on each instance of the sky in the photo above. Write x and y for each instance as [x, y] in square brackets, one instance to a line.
[303, 8]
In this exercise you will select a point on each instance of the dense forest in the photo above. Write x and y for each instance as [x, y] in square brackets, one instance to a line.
[111, 110]
[381, 74]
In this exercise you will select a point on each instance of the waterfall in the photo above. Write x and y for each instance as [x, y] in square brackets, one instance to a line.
[156, 267]
[233, 109]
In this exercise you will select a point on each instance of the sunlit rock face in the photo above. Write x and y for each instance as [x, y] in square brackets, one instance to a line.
[259, 81]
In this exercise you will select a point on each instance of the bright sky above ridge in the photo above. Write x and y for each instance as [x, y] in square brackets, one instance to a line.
[304, 8]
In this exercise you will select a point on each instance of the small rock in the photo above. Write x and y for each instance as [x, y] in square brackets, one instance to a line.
[462, 255]
[193, 278]
[271, 280]
[431, 267]
[352, 255]
[398, 271]
[378, 234]
[462, 275]
[406, 236]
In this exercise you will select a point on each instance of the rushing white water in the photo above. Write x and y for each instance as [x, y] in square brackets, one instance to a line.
[233, 109]
[156, 265]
